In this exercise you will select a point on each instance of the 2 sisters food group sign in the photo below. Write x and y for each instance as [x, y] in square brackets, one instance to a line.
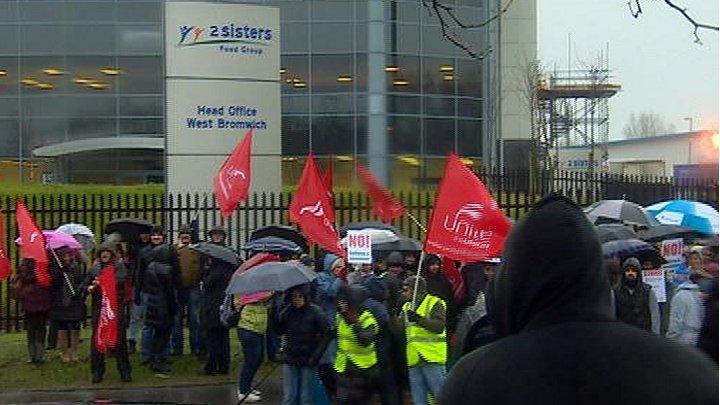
[222, 67]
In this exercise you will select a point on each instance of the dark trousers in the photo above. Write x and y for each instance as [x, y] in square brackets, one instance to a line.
[159, 344]
[253, 349]
[52, 336]
[326, 372]
[36, 324]
[97, 359]
[385, 383]
[353, 389]
[217, 343]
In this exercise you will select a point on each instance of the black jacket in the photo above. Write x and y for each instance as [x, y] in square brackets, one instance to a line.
[303, 330]
[632, 303]
[214, 281]
[158, 277]
[68, 298]
[551, 301]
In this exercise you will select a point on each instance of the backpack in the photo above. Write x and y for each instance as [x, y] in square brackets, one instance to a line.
[229, 316]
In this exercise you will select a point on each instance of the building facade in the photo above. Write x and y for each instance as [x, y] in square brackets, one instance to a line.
[372, 82]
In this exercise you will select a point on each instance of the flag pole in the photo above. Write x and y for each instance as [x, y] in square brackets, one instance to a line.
[412, 217]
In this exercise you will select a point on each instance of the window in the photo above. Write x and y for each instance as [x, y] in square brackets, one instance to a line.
[331, 37]
[404, 135]
[142, 74]
[294, 37]
[332, 135]
[332, 73]
[439, 137]
[295, 133]
[470, 138]
[10, 137]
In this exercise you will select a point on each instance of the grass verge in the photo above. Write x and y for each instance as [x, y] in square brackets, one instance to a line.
[17, 375]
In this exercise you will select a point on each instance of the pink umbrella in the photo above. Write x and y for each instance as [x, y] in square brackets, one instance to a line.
[56, 240]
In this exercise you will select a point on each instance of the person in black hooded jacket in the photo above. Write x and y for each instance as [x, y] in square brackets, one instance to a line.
[215, 279]
[550, 301]
[303, 328]
[157, 279]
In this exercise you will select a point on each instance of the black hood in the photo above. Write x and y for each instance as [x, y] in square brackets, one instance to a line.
[551, 272]
[354, 295]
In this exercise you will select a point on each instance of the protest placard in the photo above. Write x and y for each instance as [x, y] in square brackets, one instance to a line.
[656, 279]
[359, 247]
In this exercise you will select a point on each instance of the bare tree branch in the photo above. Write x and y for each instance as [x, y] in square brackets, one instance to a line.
[638, 10]
[692, 21]
[696, 25]
[443, 11]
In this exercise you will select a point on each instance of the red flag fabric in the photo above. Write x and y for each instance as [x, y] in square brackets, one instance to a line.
[327, 180]
[466, 223]
[452, 274]
[33, 243]
[5, 268]
[312, 210]
[384, 205]
[106, 334]
[232, 181]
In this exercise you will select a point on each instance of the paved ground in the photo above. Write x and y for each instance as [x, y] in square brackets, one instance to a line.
[200, 394]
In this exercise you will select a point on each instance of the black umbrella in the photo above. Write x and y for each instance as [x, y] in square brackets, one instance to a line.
[272, 244]
[272, 276]
[622, 210]
[283, 232]
[404, 244]
[608, 232]
[218, 252]
[662, 232]
[129, 228]
[623, 249]
[357, 226]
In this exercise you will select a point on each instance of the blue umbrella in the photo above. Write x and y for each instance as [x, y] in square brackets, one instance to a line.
[690, 214]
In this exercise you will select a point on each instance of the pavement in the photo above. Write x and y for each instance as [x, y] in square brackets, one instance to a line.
[220, 394]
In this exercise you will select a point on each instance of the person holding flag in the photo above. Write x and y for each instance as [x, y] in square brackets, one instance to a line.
[35, 300]
[426, 340]
[106, 284]
[68, 301]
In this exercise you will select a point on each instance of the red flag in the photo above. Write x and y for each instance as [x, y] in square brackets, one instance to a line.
[5, 268]
[466, 224]
[33, 243]
[106, 335]
[452, 274]
[311, 209]
[327, 175]
[232, 181]
[327, 180]
[384, 205]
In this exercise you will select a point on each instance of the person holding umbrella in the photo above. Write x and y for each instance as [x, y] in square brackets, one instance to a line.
[215, 277]
[68, 301]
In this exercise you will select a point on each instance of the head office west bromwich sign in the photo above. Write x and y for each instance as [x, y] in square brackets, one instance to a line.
[222, 66]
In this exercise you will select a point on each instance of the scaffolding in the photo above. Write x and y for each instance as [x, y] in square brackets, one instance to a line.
[573, 111]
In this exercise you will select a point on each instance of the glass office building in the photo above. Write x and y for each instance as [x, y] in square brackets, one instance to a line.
[81, 88]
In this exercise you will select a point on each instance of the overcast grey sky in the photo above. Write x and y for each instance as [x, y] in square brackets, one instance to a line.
[653, 57]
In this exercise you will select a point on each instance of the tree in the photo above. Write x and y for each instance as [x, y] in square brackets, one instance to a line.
[646, 124]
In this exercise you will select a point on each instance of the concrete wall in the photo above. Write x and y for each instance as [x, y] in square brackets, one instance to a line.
[518, 49]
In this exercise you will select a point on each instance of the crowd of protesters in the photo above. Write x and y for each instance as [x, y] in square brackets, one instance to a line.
[355, 332]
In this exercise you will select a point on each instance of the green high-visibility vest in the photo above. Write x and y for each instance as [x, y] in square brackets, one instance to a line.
[348, 349]
[432, 347]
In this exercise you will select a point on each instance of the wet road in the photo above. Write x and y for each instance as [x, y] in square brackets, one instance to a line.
[201, 394]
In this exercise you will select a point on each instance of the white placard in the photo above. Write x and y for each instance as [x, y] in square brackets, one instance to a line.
[656, 279]
[672, 249]
[234, 41]
[359, 247]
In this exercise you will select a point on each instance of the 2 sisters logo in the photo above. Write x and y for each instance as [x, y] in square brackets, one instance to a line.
[464, 226]
[192, 35]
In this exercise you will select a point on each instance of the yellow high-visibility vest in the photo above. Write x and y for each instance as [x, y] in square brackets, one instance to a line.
[432, 347]
[348, 349]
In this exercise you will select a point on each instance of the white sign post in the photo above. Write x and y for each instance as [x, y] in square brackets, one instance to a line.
[359, 247]
[222, 75]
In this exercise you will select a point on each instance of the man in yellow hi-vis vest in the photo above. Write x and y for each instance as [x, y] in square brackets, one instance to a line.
[356, 357]
[425, 334]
